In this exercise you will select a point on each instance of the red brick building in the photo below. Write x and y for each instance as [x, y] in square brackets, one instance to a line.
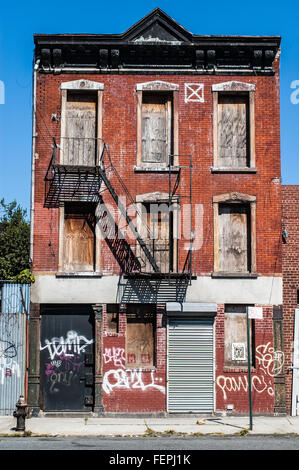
[290, 251]
[156, 222]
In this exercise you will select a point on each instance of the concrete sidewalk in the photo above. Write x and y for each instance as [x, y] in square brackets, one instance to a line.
[120, 426]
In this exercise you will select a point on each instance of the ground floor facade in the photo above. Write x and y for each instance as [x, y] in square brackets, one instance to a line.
[157, 357]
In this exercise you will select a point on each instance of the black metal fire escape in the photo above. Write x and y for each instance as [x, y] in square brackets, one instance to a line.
[69, 183]
[87, 183]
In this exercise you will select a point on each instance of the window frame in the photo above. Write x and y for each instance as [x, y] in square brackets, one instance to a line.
[234, 88]
[97, 246]
[153, 321]
[161, 198]
[157, 86]
[235, 364]
[83, 86]
[235, 198]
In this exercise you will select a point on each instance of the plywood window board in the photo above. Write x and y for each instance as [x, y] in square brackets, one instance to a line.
[79, 238]
[234, 126]
[81, 122]
[157, 125]
[234, 234]
[140, 337]
[235, 334]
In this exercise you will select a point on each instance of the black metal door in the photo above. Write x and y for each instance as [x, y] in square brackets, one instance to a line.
[67, 358]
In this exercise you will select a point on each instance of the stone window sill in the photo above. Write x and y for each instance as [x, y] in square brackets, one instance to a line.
[234, 275]
[156, 169]
[233, 170]
[237, 369]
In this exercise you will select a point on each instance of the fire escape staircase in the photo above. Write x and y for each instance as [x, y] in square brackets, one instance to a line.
[74, 183]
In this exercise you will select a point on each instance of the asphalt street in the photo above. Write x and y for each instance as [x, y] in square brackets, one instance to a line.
[177, 444]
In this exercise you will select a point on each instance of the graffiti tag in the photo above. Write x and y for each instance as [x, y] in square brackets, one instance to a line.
[270, 364]
[72, 344]
[8, 367]
[126, 379]
[7, 349]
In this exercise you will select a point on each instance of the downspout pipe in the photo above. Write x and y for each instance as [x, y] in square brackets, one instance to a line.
[35, 69]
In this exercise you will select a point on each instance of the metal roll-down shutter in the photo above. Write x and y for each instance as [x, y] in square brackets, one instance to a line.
[190, 366]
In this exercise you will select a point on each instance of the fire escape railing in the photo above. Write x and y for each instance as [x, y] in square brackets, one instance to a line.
[80, 171]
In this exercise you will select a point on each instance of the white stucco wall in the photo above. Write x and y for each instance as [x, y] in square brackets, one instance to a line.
[262, 290]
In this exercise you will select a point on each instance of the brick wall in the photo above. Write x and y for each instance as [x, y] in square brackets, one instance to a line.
[290, 252]
[195, 137]
[144, 391]
[232, 383]
[128, 390]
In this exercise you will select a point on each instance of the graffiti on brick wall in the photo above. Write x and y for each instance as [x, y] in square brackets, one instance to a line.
[128, 379]
[269, 363]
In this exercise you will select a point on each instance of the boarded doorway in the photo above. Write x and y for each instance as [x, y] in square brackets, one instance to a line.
[67, 358]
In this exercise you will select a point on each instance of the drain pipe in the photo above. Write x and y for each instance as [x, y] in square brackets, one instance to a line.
[33, 159]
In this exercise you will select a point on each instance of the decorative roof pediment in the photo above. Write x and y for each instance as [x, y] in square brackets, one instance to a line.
[157, 42]
[157, 27]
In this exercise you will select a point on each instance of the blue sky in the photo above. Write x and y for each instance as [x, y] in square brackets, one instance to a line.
[19, 20]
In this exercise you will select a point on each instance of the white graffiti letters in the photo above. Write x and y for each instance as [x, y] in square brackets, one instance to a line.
[8, 367]
[270, 363]
[72, 344]
[128, 379]
[269, 360]
[121, 378]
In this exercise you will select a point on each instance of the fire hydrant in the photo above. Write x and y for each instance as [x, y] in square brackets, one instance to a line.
[20, 413]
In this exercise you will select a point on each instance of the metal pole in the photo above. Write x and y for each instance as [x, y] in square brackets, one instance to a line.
[249, 370]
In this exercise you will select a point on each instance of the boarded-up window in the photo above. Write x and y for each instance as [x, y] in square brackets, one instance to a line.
[112, 318]
[234, 247]
[233, 131]
[158, 236]
[79, 141]
[140, 350]
[79, 237]
[156, 128]
[235, 334]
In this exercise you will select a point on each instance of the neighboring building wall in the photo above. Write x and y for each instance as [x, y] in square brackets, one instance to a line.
[14, 310]
[290, 207]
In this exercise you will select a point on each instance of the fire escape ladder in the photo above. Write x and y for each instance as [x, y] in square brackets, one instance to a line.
[122, 208]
